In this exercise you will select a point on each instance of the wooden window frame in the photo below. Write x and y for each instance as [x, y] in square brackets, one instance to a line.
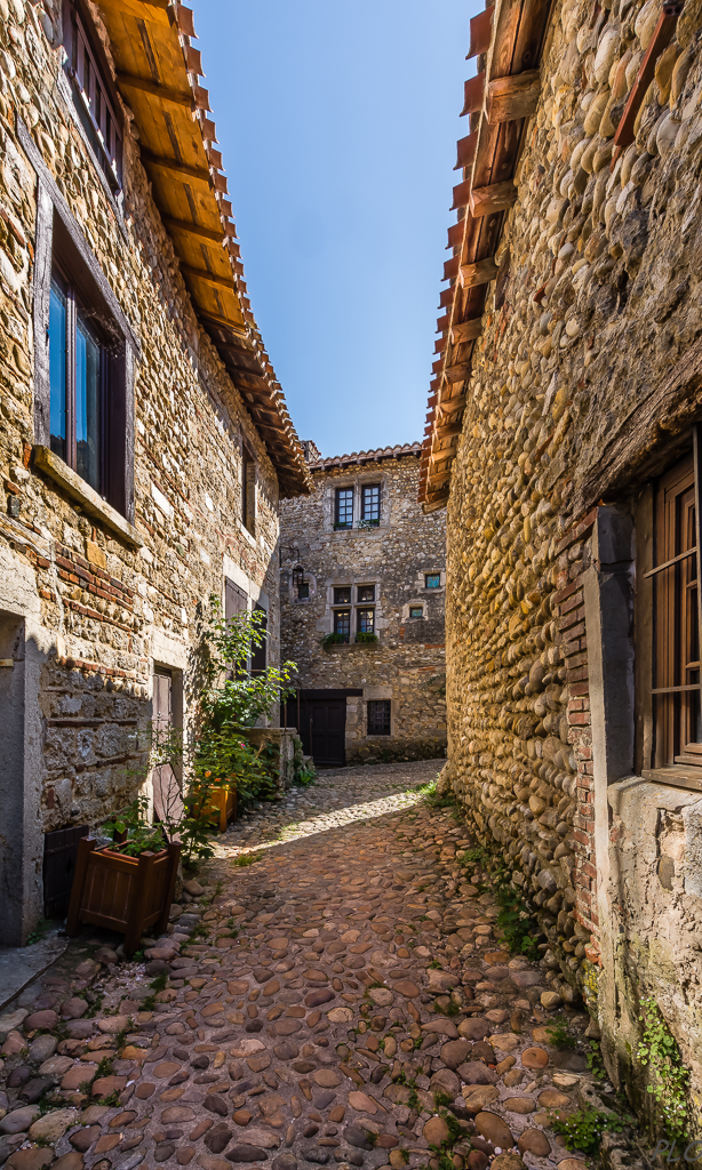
[670, 575]
[60, 242]
[371, 521]
[340, 524]
[338, 599]
[94, 93]
[379, 722]
[248, 489]
[365, 609]
[342, 616]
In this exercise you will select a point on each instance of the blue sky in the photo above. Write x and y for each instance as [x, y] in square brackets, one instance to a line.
[338, 124]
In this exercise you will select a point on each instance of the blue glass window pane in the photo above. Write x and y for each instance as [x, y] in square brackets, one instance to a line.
[88, 406]
[57, 371]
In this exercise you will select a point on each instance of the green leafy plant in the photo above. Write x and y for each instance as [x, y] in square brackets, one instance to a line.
[560, 1034]
[366, 636]
[583, 1129]
[233, 698]
[595, 1063]
[334, 639]
[244, 859]
[668, 1078]
[132, 832]
[519, 929]
[305, 775]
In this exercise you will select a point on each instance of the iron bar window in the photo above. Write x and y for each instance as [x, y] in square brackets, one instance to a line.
[378, 716]
[676, 682]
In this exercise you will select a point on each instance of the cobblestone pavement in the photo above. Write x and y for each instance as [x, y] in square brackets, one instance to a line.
[343, 998]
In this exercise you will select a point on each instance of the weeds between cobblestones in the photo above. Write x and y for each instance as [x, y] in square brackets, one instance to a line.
[348, 999]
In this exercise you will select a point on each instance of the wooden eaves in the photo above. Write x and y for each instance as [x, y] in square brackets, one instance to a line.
[507, 38]
[158, 71]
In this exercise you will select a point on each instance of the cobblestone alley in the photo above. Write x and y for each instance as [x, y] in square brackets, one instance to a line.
[343, 999]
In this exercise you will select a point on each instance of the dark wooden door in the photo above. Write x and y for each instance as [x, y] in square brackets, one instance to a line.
[321, 721]
[168, 800]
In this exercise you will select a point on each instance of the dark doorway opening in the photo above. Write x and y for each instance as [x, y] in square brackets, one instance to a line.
[320, 717]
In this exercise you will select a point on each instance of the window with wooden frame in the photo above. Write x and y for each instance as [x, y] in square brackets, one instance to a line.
[342, 595]
[370, 505]
[94, 92]
[259, 653]
[365, 593]
[86, 375]
[365, 620]
[378, 716]
[342, 623]
[248, 490]
[343, 507]
[676, 679]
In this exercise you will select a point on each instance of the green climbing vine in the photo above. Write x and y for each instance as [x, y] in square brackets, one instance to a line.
[668, 1078]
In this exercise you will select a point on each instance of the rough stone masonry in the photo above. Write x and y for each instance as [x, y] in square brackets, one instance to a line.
[585, 385]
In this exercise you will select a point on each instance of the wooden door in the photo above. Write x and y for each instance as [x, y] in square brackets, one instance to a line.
[168, 800]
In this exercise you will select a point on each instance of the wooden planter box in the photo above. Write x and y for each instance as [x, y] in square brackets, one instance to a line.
[219, 806]
[125, 894]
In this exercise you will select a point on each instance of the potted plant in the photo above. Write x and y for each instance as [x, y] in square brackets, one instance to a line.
[228, 771]
[128, 884]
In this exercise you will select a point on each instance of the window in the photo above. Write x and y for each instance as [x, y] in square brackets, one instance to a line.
[259, 658]
[342, 595]
[235, 601]
[93, 91]
[343, 508]
[366, 593]
[379, 717]
[342, 623]
[365, 620]
[432, 580]
[677, 715]
[303, 590]
[248, 490]
[416, 611]
[78, 365]
[370, 505]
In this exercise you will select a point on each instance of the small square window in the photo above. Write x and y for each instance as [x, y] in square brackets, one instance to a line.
[342, 595]
[303, 590]
[416, 611]
[370, 504]
[366, 593]
[342, 623]
[365, 621]
[432, 580]
[379, 717]
[343, 508]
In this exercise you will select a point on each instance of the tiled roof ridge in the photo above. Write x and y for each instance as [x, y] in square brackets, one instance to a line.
[373, 455]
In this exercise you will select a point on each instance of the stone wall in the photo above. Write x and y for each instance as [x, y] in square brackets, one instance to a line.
[582, 380]
[102, 607]
[406, 665]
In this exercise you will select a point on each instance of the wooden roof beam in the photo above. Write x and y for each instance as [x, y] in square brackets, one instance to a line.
[458, 372]
[176, 167]
[491, 199]
[466, 331]
[509, 98]
[209, 277]
[154, 89]
[196, 229]
[482, 272]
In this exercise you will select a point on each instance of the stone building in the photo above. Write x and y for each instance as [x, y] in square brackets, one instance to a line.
[362, 609]
[144, 441]
[564, 440]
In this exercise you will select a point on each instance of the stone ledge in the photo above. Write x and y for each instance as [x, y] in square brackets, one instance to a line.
[92, 504]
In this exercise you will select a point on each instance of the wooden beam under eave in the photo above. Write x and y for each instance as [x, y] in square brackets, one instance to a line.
[176, 167]
[196, 229]
[510, 98]
[163, 92]
[466, 331]
[458, 372]
[209, 277]
[492, 198]
[481, 272]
